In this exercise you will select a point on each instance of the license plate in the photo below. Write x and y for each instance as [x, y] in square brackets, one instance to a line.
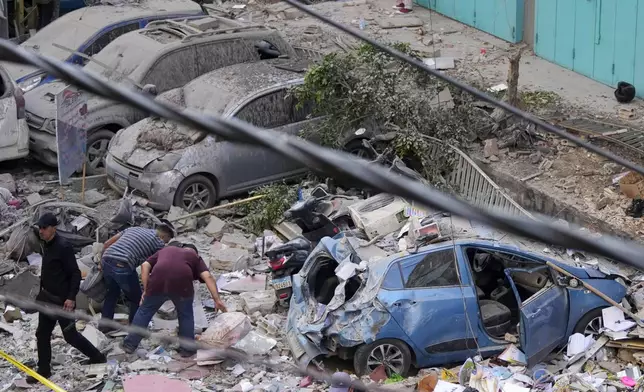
[282, 283]
[120, 181]
[294, 344]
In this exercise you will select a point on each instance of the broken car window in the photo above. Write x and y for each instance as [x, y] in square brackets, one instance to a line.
[274, 110]
[174, 69]
[393, 279]
[436, 269]
[102, 41]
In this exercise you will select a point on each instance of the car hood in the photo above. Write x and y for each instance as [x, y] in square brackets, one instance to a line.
[151, 139]
[17, 71]
[41, 101]
[349, 321]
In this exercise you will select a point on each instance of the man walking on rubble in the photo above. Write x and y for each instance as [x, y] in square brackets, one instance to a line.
[169, 275]
[59, 282]
[122, 255]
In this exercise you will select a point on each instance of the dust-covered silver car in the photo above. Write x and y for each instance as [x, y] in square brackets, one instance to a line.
[171, 164]
[163, 56]
[14, 133]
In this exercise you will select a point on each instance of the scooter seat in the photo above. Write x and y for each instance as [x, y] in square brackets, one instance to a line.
[299, 243]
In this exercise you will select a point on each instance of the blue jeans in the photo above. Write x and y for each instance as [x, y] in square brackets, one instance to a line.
[151, 305]
[119, 277]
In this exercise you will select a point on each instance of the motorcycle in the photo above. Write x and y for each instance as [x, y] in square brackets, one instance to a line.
[285, 261]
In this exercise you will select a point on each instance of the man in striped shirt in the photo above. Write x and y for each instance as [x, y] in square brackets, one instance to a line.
[122, 254]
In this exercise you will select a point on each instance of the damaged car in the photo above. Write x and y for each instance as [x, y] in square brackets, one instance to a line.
[171, 164]
[441, 304]
[163, 56]
[82, 33]
[14, 132]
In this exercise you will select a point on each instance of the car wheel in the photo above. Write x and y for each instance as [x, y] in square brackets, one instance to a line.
[97, 143]
[392, 353]
[196, 193]
[590, 324]
[356, 148]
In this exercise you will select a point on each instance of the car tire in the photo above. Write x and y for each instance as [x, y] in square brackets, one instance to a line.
[591, 323]
[393, 349]
[196, 183]
[356, 148]
[97, 143]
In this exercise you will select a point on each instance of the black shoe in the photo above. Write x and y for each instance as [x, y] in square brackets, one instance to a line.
[126, 348]
[32, 380]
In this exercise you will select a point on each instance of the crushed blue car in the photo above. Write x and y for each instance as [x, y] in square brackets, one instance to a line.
[440, 305]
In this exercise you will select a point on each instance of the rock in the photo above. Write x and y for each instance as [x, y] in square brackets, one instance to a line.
[611, 366]
[256, 344]
[494, 158]
[238, 240]
[603, 202]
[225, 258]
[215, 226]
[491, 148]
[638, 299]
[34, 198]
[93, 197]
[12, 314]
[7, 181]
[96, 337]
[227, 329]
[189, 224]
[626, 355]
[535, 158]
[262, 301]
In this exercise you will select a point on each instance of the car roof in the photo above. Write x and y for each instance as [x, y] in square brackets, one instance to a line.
[225, 89]
[101, 16]
[74, 28]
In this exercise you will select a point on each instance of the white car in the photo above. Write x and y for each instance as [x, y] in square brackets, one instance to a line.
[14, 132]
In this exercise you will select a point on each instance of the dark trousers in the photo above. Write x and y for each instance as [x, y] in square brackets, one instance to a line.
[46, 326]
[119, 277]
[151, 305]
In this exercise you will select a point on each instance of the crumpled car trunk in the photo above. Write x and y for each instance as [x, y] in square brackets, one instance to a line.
[335, 298]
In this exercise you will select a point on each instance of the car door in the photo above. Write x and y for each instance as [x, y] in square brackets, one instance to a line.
[430, 306]
[543, 316]
[250, 166]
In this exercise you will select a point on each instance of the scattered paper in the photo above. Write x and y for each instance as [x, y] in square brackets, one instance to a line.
[513, 355]
[239, 6]
[498, 88]
[578, 343]
[511, 387]
[444, 386]
[440, 62]
[614, 320]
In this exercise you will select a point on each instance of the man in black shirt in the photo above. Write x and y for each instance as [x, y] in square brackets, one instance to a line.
[59, 282]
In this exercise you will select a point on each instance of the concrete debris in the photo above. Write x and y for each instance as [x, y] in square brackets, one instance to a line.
[183, 225]
[259, 301]
[256, 344]
[94, 197]
[215, 226]
[491, 148]
[227, 329]
[226, 258]
[154, 383]
[34, 199]
[12, 314]
[399, 22]
[246, 284]
[96, 337]
[238, 240]
[7, 182]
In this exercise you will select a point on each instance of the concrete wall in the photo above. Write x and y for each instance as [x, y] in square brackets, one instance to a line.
[528, 22]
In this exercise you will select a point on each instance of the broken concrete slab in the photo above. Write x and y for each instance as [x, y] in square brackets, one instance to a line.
[238, 240]
[94, 197]
[34, 198]
[249, 283]
[258, 301]
[440, 63]
[7, 182]
[96, 337]
[226, 258]
[154, 383]
[398, 22]
[215, 227]
[256, 344]
[25, 284]
[195, 372]
[183, 225]
[226, 330]
[491, 148]
[443, 100]
[91, 182]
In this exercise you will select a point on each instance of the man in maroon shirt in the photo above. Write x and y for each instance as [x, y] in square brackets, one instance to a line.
[168, 275]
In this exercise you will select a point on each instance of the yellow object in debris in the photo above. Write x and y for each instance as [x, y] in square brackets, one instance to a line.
[31, 372]
[449, 376]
